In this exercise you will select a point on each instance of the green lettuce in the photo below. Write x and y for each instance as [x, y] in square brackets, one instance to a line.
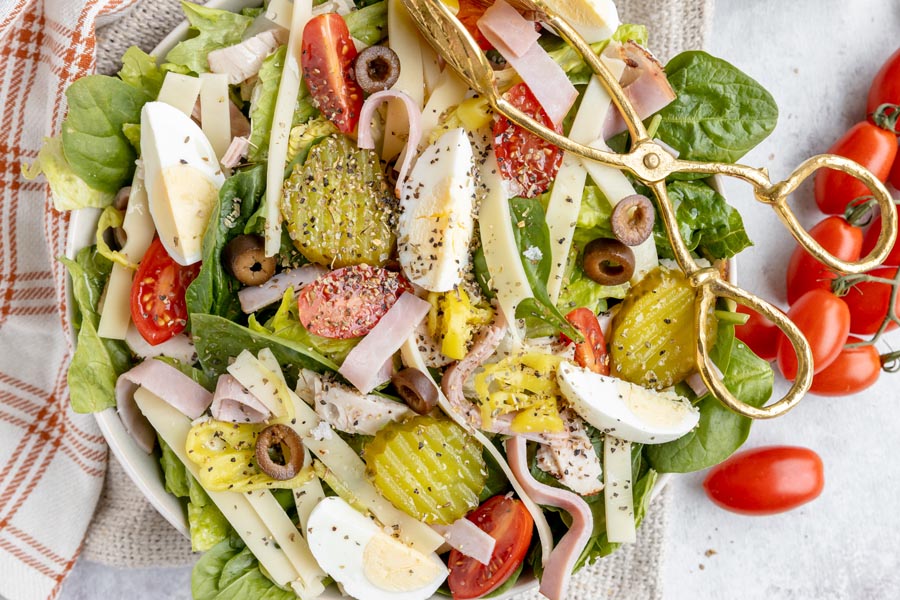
[140, 71]
[211, 29]
[368, 24]
[229, 571]
[570, 60]
[68, 190]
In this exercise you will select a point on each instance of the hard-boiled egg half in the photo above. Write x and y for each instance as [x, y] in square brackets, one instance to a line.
[367, 562]
[436, 221]
[626, 410]
[595, 20]
[182, 176]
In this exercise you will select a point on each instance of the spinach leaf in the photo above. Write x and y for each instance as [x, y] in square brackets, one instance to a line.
[368, 24]
[214, 291]
[720, 431]
[97, 362]
[140, 71]
[93, 142]
[229, 571]
[719, 113]
[211, 29]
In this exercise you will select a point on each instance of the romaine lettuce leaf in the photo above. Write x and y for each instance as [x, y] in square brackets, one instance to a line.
[368, 24]
[68, 190]
[212, 29]
[140, 71]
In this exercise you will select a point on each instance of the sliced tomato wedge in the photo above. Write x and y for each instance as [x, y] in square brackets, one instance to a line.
[349, 302]
[470, 11]
[525, 160]
[591, 353]
[507, 521]
[158, 306]
[327, 57]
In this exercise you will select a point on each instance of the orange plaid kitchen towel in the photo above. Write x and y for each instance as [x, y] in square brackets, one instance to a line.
[52, 461]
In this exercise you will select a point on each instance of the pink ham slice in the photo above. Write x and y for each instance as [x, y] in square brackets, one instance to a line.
[363, 366]
[256, 297]
[558, 567]
[504, 22]
[237, 149]
[367, 141]
[234, 404]
[167, 382]
[469, 539]
[645, 84]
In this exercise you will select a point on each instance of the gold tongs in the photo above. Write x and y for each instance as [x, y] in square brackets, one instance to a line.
[650, 163]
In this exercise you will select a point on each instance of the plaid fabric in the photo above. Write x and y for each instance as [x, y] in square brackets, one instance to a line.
[52, 461]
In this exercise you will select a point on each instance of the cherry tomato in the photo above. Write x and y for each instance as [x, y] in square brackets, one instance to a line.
[805, 273]
[327, 57]
[854, 370]
[158, 307]
[824, 320]
[591, 353]
[868, 303]
[759, 333]
[767, 480]
[885, 87]
[470, 11]
[893, 259]
[870, 146]
[349, 302]
[507, 521]
[526, 160]
[894, 176]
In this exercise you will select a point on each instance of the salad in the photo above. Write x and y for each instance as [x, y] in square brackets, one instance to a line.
[379, 336]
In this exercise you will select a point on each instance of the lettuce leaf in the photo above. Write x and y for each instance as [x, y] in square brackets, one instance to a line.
[140, 71]
[229, 571]
[368, 24]
[211, 29]
[68, 190]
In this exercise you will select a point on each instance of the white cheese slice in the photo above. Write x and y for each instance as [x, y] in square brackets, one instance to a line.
[449, 91]
[180, 91]
[215, 111]
[288, 89]
[617, 490]
[431, 69]
[262, 382]
[405, 41]
[279, 12]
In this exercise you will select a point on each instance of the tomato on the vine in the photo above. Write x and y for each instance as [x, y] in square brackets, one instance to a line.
[528, 162]
[760, 334]
[885, 88]
[854, 370]
[824, 320]
[869, 145]
[591, 353]
[805, 273]
[894, 176]
[868, 302]
[767, 480]
[158, 305]
[507, 521]
[871, 238]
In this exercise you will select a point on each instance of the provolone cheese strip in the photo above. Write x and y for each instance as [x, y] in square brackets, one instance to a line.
[180, 91]
[449, 92]
[215, 111]
[617, 490]
[405, 41]
[279, 12]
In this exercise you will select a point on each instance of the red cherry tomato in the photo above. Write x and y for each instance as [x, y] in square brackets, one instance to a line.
[870, 146]
[759, 333]
[767, 480]
[158, 307]
[591, 353]
[805, 273]
[824, 320]
[885, 87]
[894, 176]
[327, 57]
[526, 160]
[507, 521]
[470, 11]
[868, 303]
[349, 302]
[871, 237]
[854, 370]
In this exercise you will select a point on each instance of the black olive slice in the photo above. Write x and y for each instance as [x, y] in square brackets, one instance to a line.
[279, 439]
[416, 389]
[245, 258]
[608, 262]
[632, 219]
[377, 68]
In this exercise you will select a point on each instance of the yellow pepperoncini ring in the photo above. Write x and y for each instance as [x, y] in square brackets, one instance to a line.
[226, 456]
[524, 384]
[453, 320]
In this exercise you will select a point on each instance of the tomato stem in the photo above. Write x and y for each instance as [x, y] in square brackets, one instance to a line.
[886, 116]
[860, 211]
[890, 362]
[891, 316]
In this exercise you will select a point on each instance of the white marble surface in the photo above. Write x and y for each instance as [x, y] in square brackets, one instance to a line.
[817, 58]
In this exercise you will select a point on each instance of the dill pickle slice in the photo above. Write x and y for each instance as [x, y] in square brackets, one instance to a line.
[338, 208]
[429, 468]
[652, 341]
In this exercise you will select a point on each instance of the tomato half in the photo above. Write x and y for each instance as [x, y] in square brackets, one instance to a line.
[854, 370]
[158, 307]
[591, 353]
[868, 302]
[470, 11]
[507, 521]
[885, 88]
[349, 302]
[871, 238]
[766, 480]
[824, 320]
[759, 333]
[869, 145]
[805, 273]
[529, 163]
[327, 57]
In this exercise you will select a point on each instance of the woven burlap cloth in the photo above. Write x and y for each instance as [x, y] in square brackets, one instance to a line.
[127, 531]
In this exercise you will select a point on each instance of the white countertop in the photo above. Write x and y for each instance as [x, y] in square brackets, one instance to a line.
[817, 58]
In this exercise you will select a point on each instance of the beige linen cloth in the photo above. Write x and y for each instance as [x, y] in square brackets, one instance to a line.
[127, 531]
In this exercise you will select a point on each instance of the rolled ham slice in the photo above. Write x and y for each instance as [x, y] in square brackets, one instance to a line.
[256, 297]
[237, 149]
[363, 365]
[469, 539]
[233, 403]
[367, 141]
[645, 85]
[558, 567]
[170, 384]
[505, 22]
